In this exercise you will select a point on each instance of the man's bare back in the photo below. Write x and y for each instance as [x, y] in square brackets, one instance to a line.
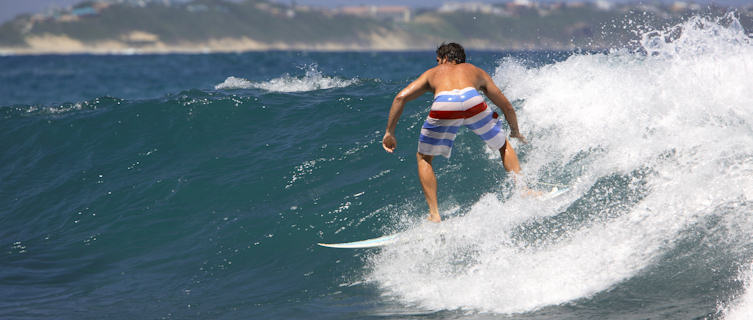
[449, 76]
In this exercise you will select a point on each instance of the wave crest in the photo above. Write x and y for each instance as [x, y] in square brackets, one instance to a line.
[312, 80]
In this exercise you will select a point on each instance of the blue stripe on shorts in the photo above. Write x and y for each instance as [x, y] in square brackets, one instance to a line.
[491, 133]
[480, 123]
[441, 129]
[435, 141]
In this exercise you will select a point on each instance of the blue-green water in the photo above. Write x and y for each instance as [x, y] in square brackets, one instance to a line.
[197, 186]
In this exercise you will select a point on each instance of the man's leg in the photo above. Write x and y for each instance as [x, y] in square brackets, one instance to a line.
[429, 184]
[510, 162]
[509, 158]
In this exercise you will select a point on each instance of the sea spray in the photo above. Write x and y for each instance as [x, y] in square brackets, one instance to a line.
[652, 143]
[312, 80]
[742, 307]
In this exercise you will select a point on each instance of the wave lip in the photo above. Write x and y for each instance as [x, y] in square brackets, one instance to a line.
[234, 83]
[312, 80]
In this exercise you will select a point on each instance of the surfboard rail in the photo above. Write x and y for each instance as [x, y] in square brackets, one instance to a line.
[368, 243]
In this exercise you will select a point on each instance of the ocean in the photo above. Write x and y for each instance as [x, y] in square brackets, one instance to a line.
[198, 186]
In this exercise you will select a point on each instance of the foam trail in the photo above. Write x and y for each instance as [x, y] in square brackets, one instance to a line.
[673, 124]
[312, 80]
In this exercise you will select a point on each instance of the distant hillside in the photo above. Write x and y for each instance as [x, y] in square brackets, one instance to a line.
[202, 23]
[218, 25]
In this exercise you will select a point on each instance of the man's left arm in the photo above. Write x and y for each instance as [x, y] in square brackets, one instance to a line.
[495, 95]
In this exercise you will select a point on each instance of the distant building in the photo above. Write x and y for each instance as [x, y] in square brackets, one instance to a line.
[268, 7]
[100, 5]
[680, 6]
[394, 13]
[472, 7]
[556, 6]
[137, 3]
[66, 18]
[651, 8]
[603, 5]
[196, 7]
[75, 13]
[84, 11]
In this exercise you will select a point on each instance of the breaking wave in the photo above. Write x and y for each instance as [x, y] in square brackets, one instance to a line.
[312, 80]
[654, 144]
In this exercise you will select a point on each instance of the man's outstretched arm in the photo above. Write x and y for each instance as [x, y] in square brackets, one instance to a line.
[412, 91]
[495, 95]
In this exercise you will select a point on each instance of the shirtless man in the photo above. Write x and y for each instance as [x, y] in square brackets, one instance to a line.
[457, 102]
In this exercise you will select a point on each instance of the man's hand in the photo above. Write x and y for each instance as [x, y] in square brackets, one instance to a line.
[518, 136]
[388, 142]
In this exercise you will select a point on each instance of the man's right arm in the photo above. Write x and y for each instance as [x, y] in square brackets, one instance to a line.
[495, 95]
[412, 91]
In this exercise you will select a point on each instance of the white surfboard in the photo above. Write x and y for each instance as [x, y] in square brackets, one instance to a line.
[368, 243]
[390, 239]
[555, 192]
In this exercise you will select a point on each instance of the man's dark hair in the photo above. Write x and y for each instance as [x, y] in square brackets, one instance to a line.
[452, 52]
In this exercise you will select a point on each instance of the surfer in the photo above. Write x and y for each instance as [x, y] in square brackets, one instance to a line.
[457, 102]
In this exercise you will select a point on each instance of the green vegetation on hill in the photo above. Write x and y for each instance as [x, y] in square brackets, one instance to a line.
[275, 25]
[206, 19]
[11, 33]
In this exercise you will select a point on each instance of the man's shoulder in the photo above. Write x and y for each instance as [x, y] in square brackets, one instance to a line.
[465, 65]
[473, 67]
[434, 68]
[429, 71]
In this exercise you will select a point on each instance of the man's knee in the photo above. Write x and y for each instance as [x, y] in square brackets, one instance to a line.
[503, 149]
[420, 156]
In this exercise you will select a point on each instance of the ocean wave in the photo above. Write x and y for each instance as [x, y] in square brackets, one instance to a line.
[312, 80]
[652, 144]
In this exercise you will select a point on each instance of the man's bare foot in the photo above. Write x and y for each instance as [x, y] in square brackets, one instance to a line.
[434, 218]
[532, 193]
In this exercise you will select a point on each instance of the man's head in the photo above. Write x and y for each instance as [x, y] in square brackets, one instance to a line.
[451, 52]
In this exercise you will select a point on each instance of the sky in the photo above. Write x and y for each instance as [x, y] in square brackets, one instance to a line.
[11, 8]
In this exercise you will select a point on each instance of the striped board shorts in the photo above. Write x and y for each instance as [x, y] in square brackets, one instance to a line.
[452, 109]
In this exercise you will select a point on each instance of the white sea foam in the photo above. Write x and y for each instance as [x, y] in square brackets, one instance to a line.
[234, 83]
[742, 307]
[312, 80]
[681, 114]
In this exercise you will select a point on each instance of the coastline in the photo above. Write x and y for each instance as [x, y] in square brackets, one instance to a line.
[62, 45]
